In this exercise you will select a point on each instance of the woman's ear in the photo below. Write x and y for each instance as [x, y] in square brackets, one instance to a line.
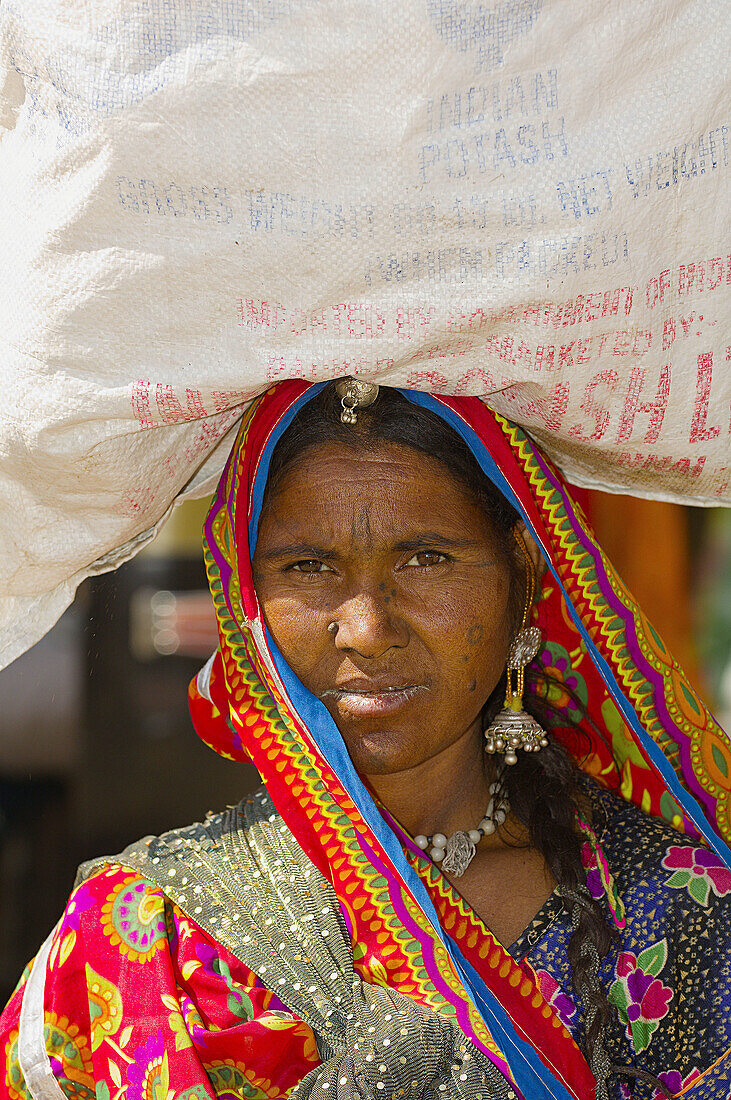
[533, 550]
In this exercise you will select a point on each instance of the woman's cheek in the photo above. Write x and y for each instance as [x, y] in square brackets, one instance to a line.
[481, 650]
[439, 608]
[295, 627]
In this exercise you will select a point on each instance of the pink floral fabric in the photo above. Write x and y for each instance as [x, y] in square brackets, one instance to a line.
[153, 1008]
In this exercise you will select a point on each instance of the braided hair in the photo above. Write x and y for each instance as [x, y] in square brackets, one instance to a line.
[541, 788]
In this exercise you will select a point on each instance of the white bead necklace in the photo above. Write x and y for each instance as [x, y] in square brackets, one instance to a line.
[455, 853]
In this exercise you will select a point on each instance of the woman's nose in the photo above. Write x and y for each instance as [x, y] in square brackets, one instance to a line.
[367, 625]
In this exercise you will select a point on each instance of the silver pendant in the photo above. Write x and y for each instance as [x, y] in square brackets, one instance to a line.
[459, 855]
[354, 394]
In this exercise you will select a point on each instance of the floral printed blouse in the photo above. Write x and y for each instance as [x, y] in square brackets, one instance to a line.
[669, 975]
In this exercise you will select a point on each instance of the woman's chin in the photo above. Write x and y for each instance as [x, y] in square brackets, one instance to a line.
[383, 752]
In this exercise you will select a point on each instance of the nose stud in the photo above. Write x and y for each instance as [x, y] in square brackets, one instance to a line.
[333, 629]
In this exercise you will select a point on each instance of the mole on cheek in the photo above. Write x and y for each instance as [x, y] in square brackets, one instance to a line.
[472, 685]
[474, 635]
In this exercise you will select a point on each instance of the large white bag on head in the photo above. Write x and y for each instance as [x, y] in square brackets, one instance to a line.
[521, 199]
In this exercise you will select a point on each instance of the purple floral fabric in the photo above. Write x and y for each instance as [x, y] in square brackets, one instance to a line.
[668, 977]
[642, 999]
[698, 871]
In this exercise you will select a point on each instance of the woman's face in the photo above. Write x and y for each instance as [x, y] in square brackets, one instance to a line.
[384, 588]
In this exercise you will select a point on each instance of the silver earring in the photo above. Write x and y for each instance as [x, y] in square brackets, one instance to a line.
[513, 728]
[354, 394]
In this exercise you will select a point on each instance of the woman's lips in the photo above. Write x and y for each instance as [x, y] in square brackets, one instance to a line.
[369, 704]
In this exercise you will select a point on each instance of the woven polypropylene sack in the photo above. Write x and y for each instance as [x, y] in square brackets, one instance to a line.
[522, 200]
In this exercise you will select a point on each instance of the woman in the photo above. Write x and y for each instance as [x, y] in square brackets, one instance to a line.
[428, 899]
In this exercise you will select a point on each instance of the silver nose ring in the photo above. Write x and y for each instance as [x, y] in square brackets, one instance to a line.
[333, 629]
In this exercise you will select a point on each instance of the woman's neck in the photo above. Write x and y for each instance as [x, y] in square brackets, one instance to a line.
[450, 791]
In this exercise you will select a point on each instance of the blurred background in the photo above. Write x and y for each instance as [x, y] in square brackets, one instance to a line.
[96, 744]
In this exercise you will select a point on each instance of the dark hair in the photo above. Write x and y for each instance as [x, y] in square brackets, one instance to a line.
[541, 787]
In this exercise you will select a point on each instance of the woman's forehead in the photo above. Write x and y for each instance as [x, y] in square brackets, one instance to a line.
[391, 487]
[363, 470]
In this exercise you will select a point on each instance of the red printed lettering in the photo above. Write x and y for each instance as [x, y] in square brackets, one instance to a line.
[524, 355]
[408, 320]
[702, 276]
[593, 307]
[633, 405]
[698, 430]
[276, 367]
[544, 359]
[141, 404]
[682, 466]
[686, 322]
[647, 462]
[668, 333]
[137, 502]
[552, 408]
[622, 343]
[582, 350]
[659, 463]
[594, 408]
[690, 277]
[426, 380]
[224, 399]
[209, 432]
[565, 356]
[643, 336]
[194, 401]
[715, 273]
[358, 321]
[656, 288]
[486, 381]
[170, 409]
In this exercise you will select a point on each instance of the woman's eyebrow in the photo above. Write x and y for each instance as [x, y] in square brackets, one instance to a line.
[425, 540]
[429, 539]
[298, 550]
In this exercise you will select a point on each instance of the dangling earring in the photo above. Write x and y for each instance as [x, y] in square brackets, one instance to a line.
[513, 728]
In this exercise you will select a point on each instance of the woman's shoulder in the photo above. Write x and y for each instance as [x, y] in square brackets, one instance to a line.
[131, 899]
[616, 817]
[228, 873]
[255, 814]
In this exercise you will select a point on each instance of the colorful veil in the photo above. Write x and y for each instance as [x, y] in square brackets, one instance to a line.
[409, 931]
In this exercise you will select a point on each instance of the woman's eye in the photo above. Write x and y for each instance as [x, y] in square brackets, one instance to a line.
[424, 558]
[310, 565]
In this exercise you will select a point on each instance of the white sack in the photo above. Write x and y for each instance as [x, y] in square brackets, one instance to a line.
[521, 199]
